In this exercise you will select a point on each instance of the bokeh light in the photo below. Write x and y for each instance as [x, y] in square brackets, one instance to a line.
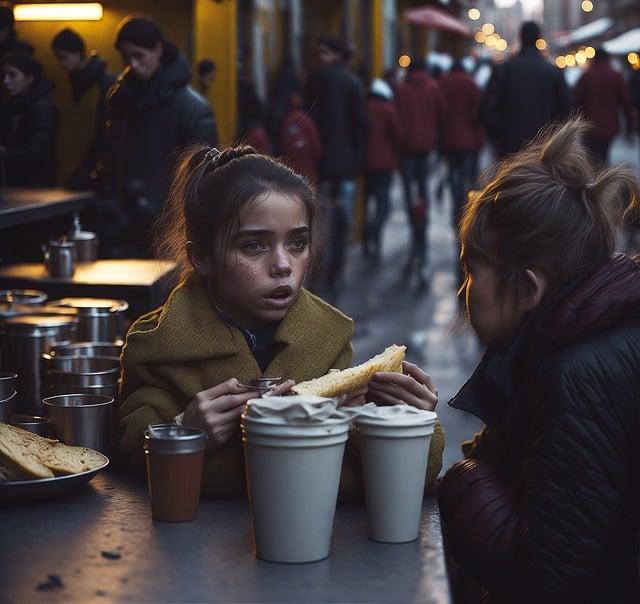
[474, 14]
[488, 29]
[587, 6]
[541, 44]
[404, 61]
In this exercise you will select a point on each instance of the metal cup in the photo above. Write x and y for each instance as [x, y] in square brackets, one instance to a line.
[7, 384]
[88, 349]
[81, 419]
[32, 297]
[59, 258]
[6, 408]
[32, 423]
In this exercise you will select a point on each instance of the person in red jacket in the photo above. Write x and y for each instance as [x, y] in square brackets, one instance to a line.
[382, 155]
[421, 106]
[600, 93]
[300, 140]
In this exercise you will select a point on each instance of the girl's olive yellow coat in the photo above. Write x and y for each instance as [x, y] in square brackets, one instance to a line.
[184, 347]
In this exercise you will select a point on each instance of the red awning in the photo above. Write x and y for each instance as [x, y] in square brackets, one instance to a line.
[428, 16]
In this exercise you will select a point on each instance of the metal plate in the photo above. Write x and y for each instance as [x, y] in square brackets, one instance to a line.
[19, 491]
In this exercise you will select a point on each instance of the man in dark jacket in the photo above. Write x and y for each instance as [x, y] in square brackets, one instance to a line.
[153, 112]
[544, 508]
[523, 95]
[600, 93]
[89, 84]
[337, 103]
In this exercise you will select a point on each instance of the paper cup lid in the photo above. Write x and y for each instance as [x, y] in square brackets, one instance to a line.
[393, 415]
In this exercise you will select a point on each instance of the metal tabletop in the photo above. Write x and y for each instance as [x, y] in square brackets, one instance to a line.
[21, 206]
[102, 545]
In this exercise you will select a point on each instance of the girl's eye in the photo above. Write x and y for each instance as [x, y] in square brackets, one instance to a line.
[253, 246]
[299, 245]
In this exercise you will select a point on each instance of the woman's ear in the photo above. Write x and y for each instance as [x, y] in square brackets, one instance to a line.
[534, 288]
[197, 260]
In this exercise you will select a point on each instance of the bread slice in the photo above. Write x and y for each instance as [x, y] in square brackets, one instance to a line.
[336, 383]
[25, 455]
[18, 454]
[64, 459]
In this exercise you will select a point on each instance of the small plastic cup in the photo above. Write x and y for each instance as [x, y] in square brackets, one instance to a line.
[174, 456]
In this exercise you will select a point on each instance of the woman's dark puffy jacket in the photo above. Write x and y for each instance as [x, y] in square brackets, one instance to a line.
[546, 506]
[150, 122]
[28, 131]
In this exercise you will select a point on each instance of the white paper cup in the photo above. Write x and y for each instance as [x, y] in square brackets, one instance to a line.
[293, 475]
[394, 463]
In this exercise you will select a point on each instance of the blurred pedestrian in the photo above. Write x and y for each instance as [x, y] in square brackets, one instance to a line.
[206, 76]
[9, 41]
[28, 123]
[600, 94]
[300, 142]
[523, 95]
[337, 103]
[381, 159]
[90, 82]
[421, 108]
[543, 507]
[251, 130]
[285, 85]
[462, 136]
[154, 112]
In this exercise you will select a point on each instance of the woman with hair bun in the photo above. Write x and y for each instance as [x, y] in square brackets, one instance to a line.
[28, 123]
[545, 506]
[154, 112]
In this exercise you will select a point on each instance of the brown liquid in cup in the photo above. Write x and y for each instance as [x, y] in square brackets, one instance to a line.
[174, 484]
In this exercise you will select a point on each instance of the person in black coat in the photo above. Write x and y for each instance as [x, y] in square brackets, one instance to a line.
[544, 507]
[9, 41]
[523, 95]
[28, 123]
[89, 85]
[153, 112]
[336, 101]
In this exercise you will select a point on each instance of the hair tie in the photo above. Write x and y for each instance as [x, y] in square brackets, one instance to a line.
[211, 157]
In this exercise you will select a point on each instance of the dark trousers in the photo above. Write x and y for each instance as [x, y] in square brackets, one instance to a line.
[377, 184]
[599, 149]
[463, 173]
[414, 169]
[463, 167]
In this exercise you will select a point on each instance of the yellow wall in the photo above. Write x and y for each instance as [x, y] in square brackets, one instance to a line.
[215, 37]
[173, 16]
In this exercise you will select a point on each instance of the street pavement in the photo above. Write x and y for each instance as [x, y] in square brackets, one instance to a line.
[387, 309]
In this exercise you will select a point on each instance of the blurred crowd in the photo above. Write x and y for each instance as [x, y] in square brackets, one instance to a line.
[346, 132]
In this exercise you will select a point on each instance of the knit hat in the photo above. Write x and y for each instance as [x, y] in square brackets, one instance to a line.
[24, 62]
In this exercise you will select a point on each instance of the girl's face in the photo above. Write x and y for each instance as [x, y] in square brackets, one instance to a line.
[15, 82]
[144, 62]
[265, 262]
[493, 315]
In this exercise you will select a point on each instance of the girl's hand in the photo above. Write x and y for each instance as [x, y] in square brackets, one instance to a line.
[353, 398]
[217, 410]
[413, 387]
[281, 389]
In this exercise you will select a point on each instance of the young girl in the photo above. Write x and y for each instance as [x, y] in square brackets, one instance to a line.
[244, 227]
[545, 506]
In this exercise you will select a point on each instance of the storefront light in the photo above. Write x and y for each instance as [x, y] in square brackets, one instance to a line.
[65, 11]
